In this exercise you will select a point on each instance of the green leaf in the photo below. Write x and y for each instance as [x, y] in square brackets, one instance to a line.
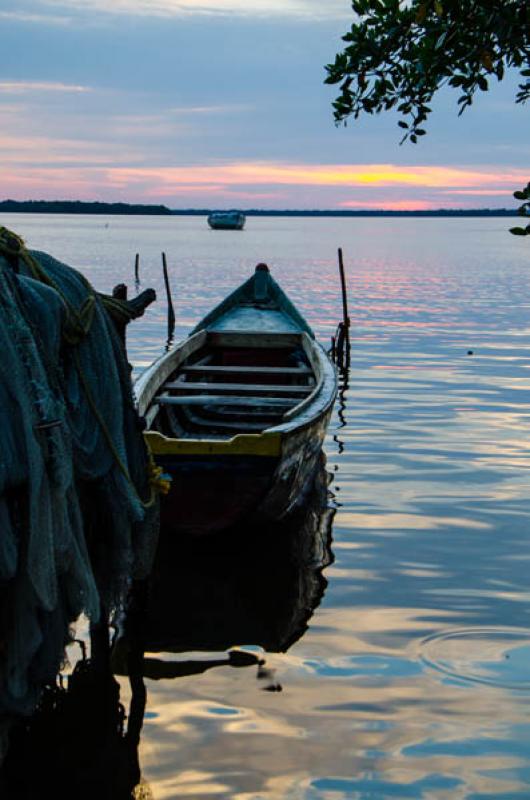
[441, 40]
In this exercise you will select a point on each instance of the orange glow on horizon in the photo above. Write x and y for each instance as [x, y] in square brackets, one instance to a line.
[391, 205]
[324, 175]
[44, 168]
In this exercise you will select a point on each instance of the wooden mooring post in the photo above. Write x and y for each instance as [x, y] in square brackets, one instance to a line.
[120, 293]
[344, 349]
[170, 309]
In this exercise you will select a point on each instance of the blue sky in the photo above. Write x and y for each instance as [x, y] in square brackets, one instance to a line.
[221, 103]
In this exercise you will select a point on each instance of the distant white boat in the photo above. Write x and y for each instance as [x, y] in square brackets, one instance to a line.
[226, 220]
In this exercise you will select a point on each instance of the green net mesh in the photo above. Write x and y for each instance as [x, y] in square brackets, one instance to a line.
[73, 473]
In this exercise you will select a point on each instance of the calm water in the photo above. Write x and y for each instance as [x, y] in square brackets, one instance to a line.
[413, 676]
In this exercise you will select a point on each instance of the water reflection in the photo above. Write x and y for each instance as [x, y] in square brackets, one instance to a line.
[78, 742]
[429, 590]
[340, 407]
[220, 601]
[254, 585]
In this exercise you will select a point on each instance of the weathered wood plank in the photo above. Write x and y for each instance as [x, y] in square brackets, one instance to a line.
[242, 388]
[221, 369]
[225, 400]
[213, 424]
[149, 383]
[256, 339]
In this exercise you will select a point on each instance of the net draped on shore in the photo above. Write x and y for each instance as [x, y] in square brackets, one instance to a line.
[73, 473]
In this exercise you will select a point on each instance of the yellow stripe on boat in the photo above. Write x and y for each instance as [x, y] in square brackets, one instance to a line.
[245, 444]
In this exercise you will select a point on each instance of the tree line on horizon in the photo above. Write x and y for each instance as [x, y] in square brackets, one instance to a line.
[97, 207]
[79, 207]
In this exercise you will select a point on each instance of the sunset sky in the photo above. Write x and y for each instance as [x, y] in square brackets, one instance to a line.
[221, 104]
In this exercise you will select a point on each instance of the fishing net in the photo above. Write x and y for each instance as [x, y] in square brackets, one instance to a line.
[75, 524]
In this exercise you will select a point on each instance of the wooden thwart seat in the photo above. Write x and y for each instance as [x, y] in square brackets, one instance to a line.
[225, 400]
[242, 388]
[218, 369]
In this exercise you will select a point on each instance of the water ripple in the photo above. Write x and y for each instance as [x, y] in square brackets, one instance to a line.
[492, 656]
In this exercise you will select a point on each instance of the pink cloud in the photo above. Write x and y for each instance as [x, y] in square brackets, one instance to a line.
[391, 205]
[311, 9]
[60, 168]
[478, 192]
[22, 87]
[325, 175]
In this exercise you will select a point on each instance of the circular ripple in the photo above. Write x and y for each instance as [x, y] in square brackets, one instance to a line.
[493, 656]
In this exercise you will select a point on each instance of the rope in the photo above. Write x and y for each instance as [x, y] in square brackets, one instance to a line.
[77, 326]
[78, 321]
[159, 483]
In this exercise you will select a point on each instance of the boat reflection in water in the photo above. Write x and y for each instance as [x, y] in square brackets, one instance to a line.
[256, 586]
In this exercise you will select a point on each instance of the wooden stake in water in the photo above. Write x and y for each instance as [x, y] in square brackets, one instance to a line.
[170, 310]
[120, 293]
[137, 268]
[345, 317]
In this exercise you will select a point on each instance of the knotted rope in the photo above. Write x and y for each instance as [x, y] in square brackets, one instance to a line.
[78, 322]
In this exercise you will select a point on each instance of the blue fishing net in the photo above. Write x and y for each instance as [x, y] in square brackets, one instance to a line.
[75, 524]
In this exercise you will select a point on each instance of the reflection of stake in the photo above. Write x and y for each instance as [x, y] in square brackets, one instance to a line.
[264, 673]
[129, 659]
[170, 311]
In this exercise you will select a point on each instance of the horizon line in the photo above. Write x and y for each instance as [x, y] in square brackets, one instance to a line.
[287, 211]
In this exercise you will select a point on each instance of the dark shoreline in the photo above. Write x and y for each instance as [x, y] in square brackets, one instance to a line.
[81, 207]
[442, 212]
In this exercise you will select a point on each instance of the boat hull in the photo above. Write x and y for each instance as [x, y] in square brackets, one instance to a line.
[211, 494]
[227, 221]
[215, 492]
[229, 227]
[300, 458]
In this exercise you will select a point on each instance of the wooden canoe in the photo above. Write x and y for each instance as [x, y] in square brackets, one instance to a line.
[236, 414]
